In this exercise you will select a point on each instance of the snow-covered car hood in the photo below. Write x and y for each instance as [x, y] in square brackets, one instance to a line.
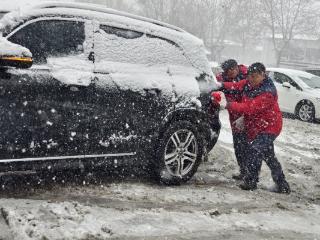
[10, 49]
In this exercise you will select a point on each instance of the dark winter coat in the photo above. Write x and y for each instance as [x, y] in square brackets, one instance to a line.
[259, 106]
[235, 97]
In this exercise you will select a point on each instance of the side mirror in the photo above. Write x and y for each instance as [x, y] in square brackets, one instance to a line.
[14, 55]
[286, 85]
[17, 62]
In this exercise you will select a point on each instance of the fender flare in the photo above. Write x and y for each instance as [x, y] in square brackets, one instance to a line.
[205, 123]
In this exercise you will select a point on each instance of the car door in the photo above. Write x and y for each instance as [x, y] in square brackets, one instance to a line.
[58, 85]
[288, 91]
[128, 91]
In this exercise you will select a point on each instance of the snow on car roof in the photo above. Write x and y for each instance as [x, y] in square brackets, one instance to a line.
[72, 7]
[11, 5]
[191, 45]
[99, 8]
[290, 71]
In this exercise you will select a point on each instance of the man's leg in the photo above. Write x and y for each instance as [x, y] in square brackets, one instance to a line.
[239, 143]
[256, 152]
[262, 148]
[276, 169]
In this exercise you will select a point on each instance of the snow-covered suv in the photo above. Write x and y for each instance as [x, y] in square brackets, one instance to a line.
[105, 85]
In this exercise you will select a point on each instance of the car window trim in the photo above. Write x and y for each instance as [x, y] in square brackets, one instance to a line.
[46, 19]
[274, 77]
[291, 79]
[146, 33]
[121, 29]
[49, 18]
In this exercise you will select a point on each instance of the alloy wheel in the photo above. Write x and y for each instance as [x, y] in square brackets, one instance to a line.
[181, 153]
[306, 112]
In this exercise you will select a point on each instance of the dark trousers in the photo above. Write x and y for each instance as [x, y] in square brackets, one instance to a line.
[262, 148]
[240, 149]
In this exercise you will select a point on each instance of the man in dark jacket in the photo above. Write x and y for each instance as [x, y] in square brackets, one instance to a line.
[232, 72]
[263, 124]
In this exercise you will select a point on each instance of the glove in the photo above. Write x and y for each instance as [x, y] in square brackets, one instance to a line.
[216, 97]
[216, 100]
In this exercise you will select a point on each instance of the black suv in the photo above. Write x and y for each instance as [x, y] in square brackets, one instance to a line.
[105, 85]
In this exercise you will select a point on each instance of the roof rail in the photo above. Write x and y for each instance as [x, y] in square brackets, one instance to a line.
[102, 9]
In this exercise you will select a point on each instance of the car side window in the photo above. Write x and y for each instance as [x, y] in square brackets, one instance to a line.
[120, 32]
[282, 78]
[279, 78]
[128, 46]
[47, 38]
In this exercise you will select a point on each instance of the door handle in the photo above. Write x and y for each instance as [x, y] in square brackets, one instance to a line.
[74, 89]
[91, 57]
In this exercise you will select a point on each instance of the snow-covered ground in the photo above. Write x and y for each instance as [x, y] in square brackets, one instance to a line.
[210, 206]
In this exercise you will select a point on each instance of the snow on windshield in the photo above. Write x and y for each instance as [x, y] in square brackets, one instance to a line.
[313, 82]
[10, 49]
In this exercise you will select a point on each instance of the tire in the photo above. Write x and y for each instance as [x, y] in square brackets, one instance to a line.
[179, 153]
[306, 112]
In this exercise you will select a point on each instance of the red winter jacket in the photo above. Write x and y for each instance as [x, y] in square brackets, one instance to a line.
[259, 106]
[235, 97]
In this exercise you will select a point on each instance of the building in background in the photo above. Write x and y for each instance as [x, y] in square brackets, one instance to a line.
[303, 52]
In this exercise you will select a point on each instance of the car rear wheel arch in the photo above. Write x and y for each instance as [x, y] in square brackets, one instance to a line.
[198, 118]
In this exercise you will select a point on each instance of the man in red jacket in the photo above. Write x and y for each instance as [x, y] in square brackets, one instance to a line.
[263, 124]
[232, 72]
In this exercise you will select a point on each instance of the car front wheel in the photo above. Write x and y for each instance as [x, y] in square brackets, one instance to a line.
[306, 112]
[179, 154]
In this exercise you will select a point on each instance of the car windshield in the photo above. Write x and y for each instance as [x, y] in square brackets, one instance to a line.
[312, 81]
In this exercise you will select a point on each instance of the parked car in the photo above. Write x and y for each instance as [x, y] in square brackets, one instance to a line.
[105, 85]
[299, 92]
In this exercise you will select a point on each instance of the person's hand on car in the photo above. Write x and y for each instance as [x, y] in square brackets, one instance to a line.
[216, 98]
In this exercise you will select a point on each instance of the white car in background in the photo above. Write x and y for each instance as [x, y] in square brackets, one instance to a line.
[299, 92]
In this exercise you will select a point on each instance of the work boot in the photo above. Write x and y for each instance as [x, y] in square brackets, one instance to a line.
[248, 186]
[284, 187]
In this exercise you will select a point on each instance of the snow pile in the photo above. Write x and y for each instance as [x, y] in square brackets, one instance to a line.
[165, 80]
[10, 49]
[72, 70]
[193, 215]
